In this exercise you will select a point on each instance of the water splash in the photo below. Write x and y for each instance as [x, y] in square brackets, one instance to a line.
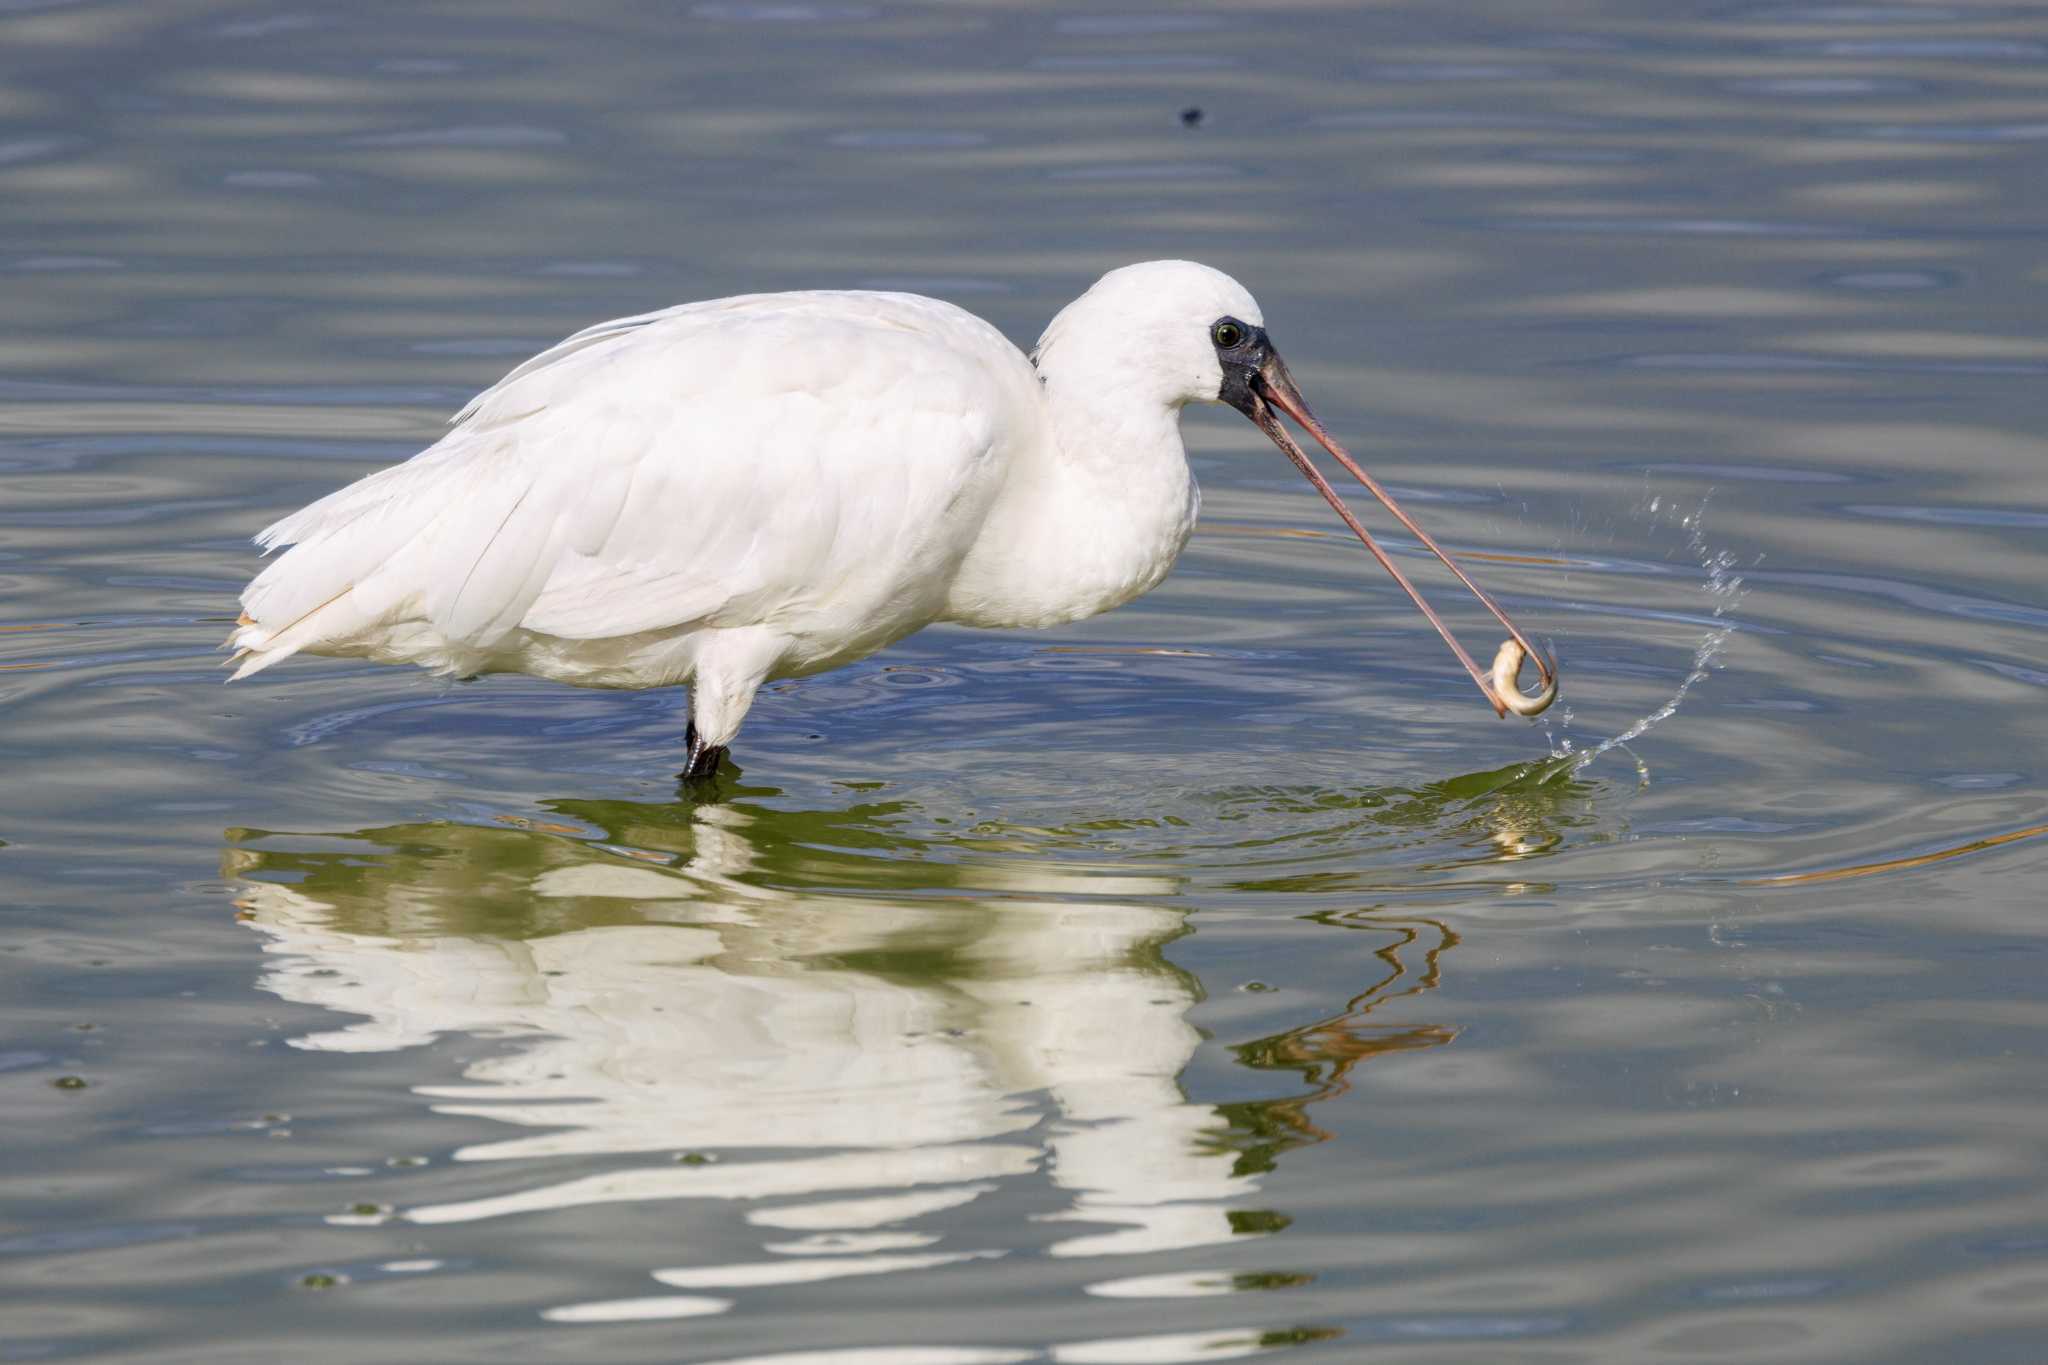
[1724, 592]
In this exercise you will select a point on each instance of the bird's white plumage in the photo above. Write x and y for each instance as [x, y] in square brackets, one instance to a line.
[765, 486]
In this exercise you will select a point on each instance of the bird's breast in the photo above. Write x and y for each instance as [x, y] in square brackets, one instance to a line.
[1072, 542]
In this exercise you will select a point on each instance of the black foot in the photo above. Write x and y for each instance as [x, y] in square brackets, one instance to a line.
[703, 759]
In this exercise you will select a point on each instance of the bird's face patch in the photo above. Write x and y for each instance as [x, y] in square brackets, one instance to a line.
[1241, 348]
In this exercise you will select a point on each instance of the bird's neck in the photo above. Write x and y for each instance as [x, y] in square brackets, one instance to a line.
[1094, 512]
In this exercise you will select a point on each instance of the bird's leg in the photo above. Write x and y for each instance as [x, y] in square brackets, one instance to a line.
[703, 759]
[731, 662]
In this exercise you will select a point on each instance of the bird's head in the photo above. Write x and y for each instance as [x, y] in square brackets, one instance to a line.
[1181, 333]
[1159, 329]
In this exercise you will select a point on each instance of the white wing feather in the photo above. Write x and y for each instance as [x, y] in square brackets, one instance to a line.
[751, 461]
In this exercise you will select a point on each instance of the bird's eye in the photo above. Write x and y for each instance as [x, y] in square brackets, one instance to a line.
[1226, 335]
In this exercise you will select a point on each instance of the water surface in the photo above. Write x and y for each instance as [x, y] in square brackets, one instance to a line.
[1209, 979]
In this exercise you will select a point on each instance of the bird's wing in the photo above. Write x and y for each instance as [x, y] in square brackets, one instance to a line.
[727, 463]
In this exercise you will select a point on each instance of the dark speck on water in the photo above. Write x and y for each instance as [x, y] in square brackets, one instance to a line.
[1208, 979]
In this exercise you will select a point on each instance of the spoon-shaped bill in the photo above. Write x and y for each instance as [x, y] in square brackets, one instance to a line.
[1272, 387]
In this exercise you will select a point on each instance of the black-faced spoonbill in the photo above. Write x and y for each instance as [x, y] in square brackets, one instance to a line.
[772, 485]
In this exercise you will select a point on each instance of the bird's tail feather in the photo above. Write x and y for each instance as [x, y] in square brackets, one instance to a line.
[257, 646]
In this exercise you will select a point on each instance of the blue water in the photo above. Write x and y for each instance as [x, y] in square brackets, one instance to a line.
[1212, 978]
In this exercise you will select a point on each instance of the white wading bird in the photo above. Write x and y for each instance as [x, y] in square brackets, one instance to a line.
[776, 484]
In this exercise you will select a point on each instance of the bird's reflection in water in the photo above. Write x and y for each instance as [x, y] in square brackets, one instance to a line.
[729, 984]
